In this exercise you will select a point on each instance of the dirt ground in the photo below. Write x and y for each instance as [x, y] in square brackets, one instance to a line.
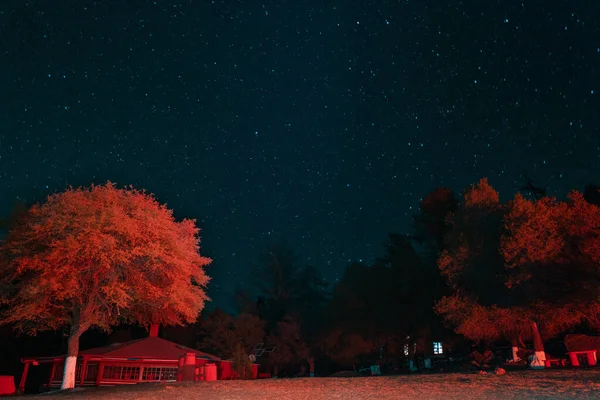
[548, 384]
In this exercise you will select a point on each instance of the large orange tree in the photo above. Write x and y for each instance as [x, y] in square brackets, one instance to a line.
[97, 257]
[524, 268]
[552, 254]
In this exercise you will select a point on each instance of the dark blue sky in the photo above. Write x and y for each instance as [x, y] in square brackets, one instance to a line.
[323, 122]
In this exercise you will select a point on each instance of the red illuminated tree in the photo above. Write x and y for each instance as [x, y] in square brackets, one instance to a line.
[96, 257]
[526, 268]
[480, 307]
[552, 252]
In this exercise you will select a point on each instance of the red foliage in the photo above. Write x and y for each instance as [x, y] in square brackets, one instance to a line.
[553, 251]
[482, 194]
[536, 230]
[100, 256]
[478, 322]
[585, 226]
[529, 261]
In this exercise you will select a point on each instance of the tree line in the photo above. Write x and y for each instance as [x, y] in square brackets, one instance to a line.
[526, 270]
[470, 267]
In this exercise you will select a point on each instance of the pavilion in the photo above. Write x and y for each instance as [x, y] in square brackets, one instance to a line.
[150, 359]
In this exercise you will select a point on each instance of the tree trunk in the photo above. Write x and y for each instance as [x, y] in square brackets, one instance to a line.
[539, 357]
[77, 328]
[311, 366]
[71, 361]
[515, 351]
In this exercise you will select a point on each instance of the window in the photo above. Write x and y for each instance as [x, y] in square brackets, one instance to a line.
[438, 348]
[159, 374]
[121, 372]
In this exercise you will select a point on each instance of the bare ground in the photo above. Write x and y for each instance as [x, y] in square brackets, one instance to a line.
[549, 384]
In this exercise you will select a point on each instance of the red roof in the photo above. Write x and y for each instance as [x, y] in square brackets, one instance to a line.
[149, 347]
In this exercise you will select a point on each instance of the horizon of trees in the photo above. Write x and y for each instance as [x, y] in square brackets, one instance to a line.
[523, 270]
[470, 268]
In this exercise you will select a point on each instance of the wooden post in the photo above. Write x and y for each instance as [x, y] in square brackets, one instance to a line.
[154, 330]
[83, 371]
[24, 377]
[574, 359]
[515, 350]
[591, 358]
[99, 374]
[52, 371]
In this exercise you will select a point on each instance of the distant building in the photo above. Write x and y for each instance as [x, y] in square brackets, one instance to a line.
[150, 359]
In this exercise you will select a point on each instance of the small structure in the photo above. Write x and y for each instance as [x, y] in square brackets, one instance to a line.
[150, 359]
[584, 345]
[7, 385]
[589, 354]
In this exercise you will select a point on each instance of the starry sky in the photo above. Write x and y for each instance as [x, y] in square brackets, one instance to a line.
[321, 122]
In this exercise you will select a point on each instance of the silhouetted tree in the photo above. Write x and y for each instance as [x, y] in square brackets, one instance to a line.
[591, 194]
[479, 307]
[311, 297]
[289, 289]
[416, 285]
[346, 348]
[289, 347]
[357, 300]
[431, 225]
[537, 192]
[367, 303]
[222, 334]
[216, 334]
[11, 221]
[241, 362]
[245, 302]
[274, 274]
[250, 331]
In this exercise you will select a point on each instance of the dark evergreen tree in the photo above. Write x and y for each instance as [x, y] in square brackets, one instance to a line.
[431, 224]
[591, 194]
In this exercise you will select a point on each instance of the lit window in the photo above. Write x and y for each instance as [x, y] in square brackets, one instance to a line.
[438, 348]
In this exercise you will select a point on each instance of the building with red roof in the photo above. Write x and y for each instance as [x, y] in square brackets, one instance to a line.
[150, 359]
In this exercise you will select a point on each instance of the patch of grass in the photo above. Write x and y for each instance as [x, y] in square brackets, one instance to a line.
[547, 384]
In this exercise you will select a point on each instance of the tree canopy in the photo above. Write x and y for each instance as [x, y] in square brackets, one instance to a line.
[522, 265]
[100, 256]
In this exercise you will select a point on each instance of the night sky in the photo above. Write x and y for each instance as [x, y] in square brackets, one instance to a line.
[322, 122]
